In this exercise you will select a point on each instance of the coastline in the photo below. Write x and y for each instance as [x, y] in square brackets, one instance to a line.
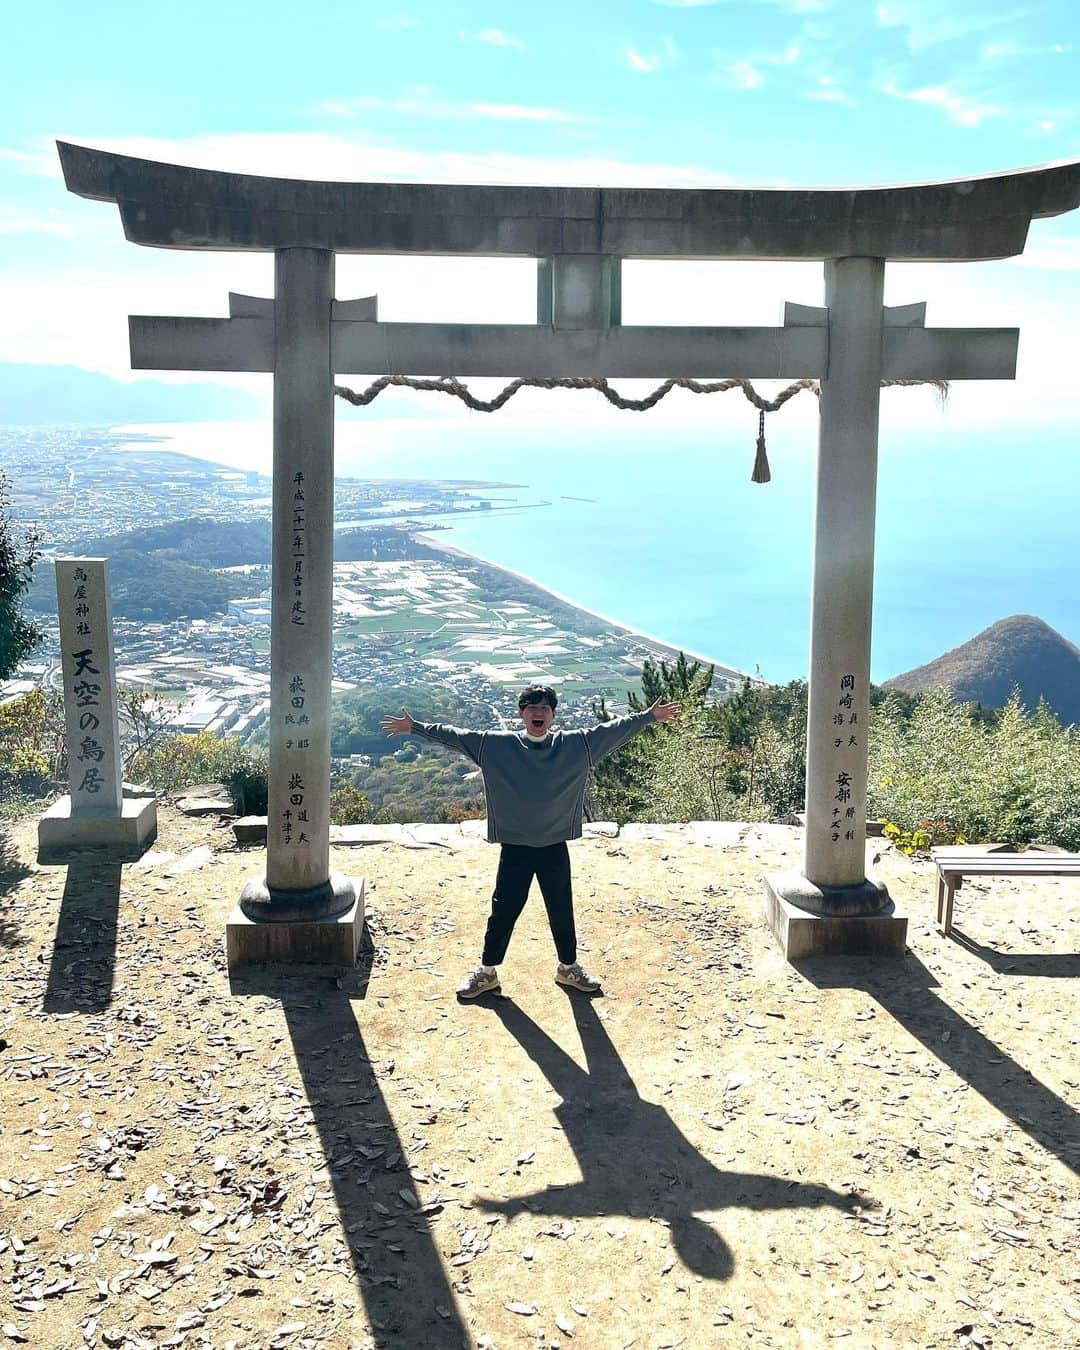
[722, 668]
[138, 437]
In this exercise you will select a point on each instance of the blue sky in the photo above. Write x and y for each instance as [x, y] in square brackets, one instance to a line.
[674, 92]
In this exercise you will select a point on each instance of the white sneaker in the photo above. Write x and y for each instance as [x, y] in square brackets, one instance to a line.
[577, 977]
[483, 980]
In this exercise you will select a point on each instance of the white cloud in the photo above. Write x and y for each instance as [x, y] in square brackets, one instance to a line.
[20, 220]
[963, 109]
[495, 37]
[747, 74]
[1014, 51]
[44, 163]
[1060, 254]
[643, 64]
[792, 6]
[128, 283]
[325, 155]
[1000, 295]
[423, 103]
[519, 112]
[744, 75]
[646, 62]
[828, 91]
[927, 23]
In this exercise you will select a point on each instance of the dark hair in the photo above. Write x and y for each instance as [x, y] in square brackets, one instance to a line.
[538, 693]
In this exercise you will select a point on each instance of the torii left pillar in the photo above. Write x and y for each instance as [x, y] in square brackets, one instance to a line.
[300, 911]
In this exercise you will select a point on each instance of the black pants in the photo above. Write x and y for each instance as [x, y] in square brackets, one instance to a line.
[518, 864]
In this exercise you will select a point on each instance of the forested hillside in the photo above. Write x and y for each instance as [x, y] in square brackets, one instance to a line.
[1021, 652]
[354, 728]
[154, 587]
[170, 571]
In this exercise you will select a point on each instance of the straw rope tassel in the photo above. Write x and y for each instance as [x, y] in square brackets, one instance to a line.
[448, 384]
[761, 472]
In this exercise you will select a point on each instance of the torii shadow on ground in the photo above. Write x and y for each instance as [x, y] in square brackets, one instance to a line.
[83, 962]
[397, 1267]
[1046, 965]
[12, 871]
[626, 1147]
[908, 993]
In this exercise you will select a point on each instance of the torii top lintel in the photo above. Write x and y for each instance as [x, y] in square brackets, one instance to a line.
[171, 206]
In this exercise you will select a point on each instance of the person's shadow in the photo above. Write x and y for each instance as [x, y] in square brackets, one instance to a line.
[634, 1159]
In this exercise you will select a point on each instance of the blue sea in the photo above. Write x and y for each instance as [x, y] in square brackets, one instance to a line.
[660, 527]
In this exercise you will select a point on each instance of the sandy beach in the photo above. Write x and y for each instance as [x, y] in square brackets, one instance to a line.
[721, 667]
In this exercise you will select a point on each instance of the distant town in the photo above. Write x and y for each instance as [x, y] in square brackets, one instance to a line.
[407, 610]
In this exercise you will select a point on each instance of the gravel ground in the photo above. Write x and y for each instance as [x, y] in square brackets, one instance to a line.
[722, 1149]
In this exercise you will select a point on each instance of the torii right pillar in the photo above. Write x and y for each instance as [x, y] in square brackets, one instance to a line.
[832, 907]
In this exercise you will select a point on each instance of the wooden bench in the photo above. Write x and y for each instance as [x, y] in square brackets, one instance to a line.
[953, 864]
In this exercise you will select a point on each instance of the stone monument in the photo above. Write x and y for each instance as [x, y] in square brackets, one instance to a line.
[95, 812]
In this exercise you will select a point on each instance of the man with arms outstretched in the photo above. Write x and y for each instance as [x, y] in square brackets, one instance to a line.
[535, 783]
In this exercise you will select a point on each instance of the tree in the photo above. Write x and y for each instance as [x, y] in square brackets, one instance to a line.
[738, 718]
[622, 781]
[681, 682]
[349, 806]
[18, 553]
[763, 731]
[142, 717]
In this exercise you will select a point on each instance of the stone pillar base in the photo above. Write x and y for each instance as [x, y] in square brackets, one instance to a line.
[332, 941]
[802, 933]
[120, 838]
[270, 904]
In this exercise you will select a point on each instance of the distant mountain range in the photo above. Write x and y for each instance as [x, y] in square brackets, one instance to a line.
[1020, 651]
[38, 396]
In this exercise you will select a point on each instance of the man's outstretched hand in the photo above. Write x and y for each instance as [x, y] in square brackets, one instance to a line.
[664, 712]
[397, 726]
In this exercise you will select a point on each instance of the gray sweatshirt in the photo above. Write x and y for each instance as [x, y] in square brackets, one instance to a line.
[536, 789]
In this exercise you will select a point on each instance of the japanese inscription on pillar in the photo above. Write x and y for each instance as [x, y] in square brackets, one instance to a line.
[294, 815]
[90, 709]
[845, 738]
[297, 611]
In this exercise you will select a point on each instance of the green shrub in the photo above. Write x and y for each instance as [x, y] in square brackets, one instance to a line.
[349, 806]
[32, 754]
[943, 775]
[690, 775]
[176, 762]
[244, 771]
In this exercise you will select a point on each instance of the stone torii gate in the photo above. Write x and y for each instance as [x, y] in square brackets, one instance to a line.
[299, 911]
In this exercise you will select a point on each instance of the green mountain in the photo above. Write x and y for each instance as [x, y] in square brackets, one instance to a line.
[1020, 651]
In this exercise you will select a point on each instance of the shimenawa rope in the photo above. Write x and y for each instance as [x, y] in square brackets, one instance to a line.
[449, 384]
